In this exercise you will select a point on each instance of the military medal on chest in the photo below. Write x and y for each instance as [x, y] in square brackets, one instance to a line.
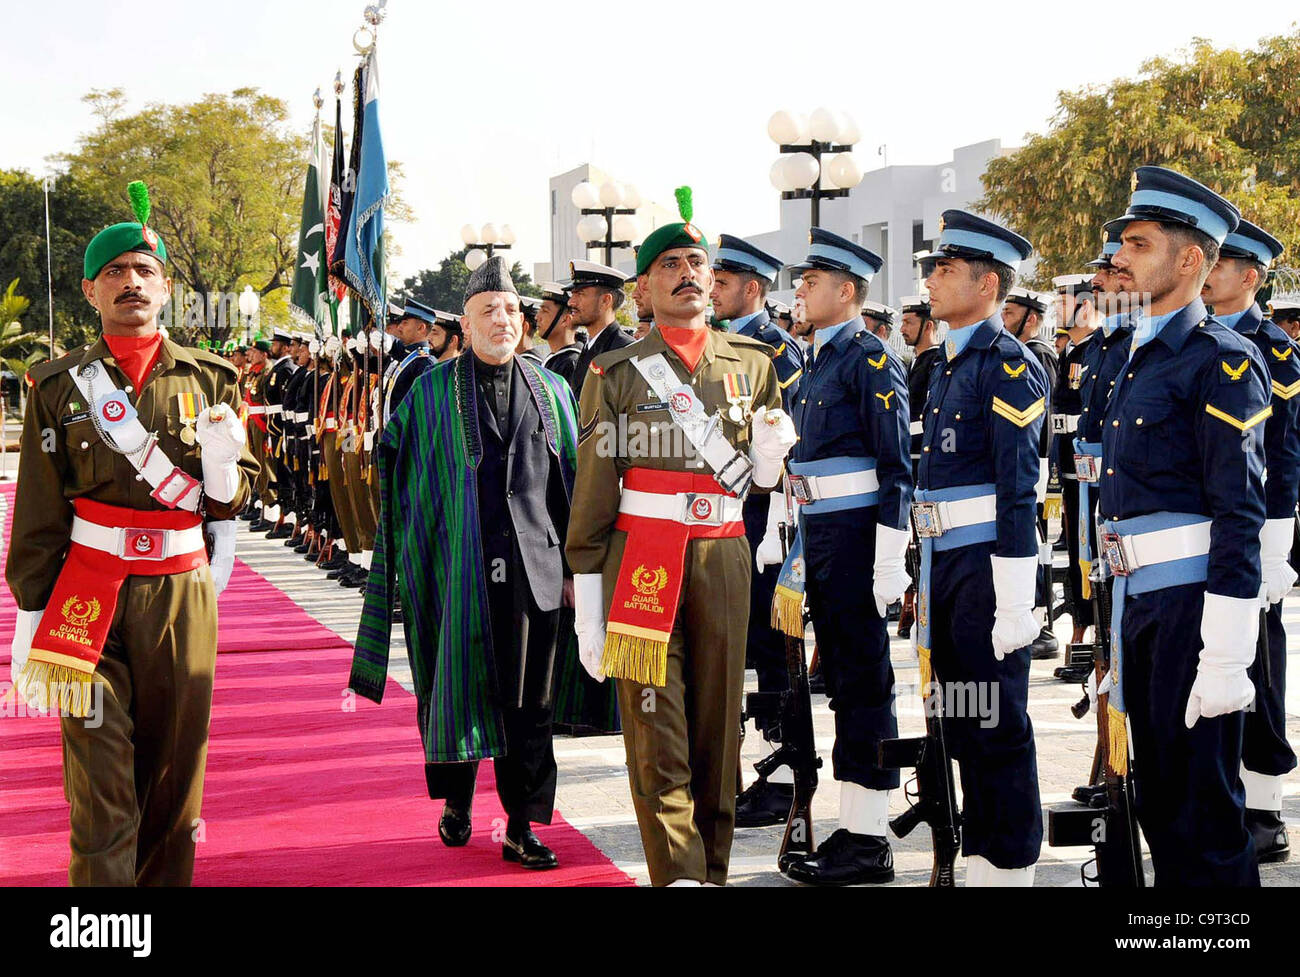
[190, 404]
[740, 394]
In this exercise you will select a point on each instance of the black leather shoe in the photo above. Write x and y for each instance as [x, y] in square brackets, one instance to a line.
[764, 803]
[336, 562]
[342, 570]
[260, 525]
[1269, 831]
[249, 514]
[845, 859]
[817, 682]
[295, 540]
[528, 851]
[455, 825]
[354, 580]
[1044, 646]
[281, 533]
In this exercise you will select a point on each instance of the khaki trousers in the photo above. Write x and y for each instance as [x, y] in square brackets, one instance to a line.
[133, 770]
[683, 740]
[339, 494]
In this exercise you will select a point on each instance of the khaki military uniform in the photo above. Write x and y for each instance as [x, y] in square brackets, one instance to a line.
[135, 780]
[264, 486]
[682, 740]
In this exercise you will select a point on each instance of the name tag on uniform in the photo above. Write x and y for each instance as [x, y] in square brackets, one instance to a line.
[646, 408]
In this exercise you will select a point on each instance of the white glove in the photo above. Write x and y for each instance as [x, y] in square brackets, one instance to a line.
[221, 437]
[768, 553]
[889, 576]
[333, 347]
[24, 630]
[1095, 691]
[589, 621]
[1014, 583]
[773, 437]
[223, 552]
[1229, 629]
[1275, 541]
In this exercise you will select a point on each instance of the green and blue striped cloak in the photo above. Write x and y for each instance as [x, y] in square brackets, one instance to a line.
[429, 546]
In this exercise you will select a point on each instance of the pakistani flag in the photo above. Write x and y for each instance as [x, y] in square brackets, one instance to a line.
[309, 302]
[364, 241]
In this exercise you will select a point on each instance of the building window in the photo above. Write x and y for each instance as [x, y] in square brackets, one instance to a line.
[552, 203]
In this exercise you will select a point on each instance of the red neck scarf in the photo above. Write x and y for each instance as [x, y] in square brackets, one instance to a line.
[135, 355]
[686, 342]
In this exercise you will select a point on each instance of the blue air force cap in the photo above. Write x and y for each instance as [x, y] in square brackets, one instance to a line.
[1109, 248]
[1253, 243]
[735, 254]
[830, 252]
[964, 235]
[418, 310]
[1167, 197]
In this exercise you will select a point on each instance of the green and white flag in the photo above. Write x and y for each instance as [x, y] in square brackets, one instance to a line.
[309, 303]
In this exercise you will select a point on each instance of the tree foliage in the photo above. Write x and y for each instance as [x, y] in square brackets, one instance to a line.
[444, 287]
[1224, 117]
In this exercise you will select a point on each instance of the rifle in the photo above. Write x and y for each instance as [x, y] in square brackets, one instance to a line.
[1101, 814]
[792, 708]
[934, 801]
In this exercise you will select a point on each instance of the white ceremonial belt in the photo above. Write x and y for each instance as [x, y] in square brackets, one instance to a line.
[917, 427]
[135, 543]
[819, 488]
[687, 508]
[1160, 546]
[331, 424]
[275, 408]
[300, 416]
[1065, 423]
[933, 519]
[256, 410]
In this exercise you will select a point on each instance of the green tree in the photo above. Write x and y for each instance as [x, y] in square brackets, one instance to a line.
[76, 214]
[444, 288]
[1224, 117]
[20, 350]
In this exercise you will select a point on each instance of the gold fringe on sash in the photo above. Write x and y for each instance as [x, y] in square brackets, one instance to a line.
[55, 688]
[636, 658]
[787, 611]
[927, 672]
[1118, 736]
[1085, 569]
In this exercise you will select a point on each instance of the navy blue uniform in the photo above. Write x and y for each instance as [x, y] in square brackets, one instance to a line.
[852, 402]
[1265, 749]
[765, 648]
[1181, 435]
[983, 423]
[918, 392]
[1067, 408]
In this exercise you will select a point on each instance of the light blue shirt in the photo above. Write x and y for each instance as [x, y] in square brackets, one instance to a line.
[1231, 320]
[823, 336]
[735, 325]
[958, 339]
[1147, 328]
[1111, 323]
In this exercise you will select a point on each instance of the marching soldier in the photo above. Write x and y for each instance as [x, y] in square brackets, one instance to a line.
[673, 432]
[255, 399]
[412, 357]
[1266, 756]
[879, 320]
[851, 474]
[117, 604]
[595, 294]
[977, 516]
[280, 370]
[1183, 503]
[742, 276]
[1022, 316]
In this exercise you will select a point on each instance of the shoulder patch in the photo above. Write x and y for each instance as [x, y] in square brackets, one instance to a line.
[1234, 371]
[879, 364]
[886, 400]
[597, 370]
[1015, 372]
[1281, 355]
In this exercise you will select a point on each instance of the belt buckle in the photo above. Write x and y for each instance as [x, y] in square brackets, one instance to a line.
[736, 475]
[1060, 423]
[1112, 546]
[1087, 467]
[173, 488]
[135, 543]
[702, 509]
[801, 489]
[925, 517]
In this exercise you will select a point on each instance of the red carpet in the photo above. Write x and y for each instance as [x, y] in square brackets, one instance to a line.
[305, 787]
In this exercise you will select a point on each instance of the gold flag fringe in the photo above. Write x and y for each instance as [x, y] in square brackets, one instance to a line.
[927, 673]
[1085, 570]
[1118, 736]
[787, 611]
[640, 660]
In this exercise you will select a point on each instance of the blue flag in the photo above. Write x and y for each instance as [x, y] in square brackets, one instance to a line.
[363, 255]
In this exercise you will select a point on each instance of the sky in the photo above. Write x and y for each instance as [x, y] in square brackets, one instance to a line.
[483, 103]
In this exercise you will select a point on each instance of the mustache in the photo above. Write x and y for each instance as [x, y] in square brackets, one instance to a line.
[130, 297]
[691, 285]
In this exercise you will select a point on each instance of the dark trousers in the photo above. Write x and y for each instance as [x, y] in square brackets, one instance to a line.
[1080, 609]
[765, 650]
[1188, 792]
[853, 641]
[1002, 817]
[1265, 749]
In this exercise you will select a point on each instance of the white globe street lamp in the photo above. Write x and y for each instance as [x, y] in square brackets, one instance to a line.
[817, 162]
[608, 216]
[474, 259]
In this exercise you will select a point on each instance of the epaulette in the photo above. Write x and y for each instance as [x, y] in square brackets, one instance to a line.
[1225, 339]
[736, 339]
[211, 359]
[64, 364]
[601, 364]
[1009, 347]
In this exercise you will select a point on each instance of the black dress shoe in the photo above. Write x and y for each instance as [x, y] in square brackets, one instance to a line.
[817, 682]
[845, 859]
[295, 540]
[281, 533]
[335, 562]
[764, 803]
[1269, 831]
[249, 514]
[528, 851]
[455, 825]
[260, 525]
[1044, 646]
[342, 570]
[354, 580]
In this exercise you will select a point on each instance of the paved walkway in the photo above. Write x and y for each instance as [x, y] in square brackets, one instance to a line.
[593, 791]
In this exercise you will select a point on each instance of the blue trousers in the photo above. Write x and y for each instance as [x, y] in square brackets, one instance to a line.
[765, 650]
[853, 641]
[1187, 785]
[1265, 749]
[1002, 817]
